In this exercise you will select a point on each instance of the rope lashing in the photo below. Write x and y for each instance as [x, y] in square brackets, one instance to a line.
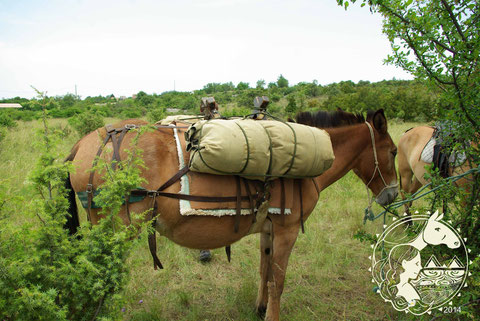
[369, 215]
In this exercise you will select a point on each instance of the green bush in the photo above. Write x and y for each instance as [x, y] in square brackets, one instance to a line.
[131, 113]
[6, 120]
[65, 112]
[86, 122]
[46, 274]
[236, 112]
[3, 133]
[156, 115]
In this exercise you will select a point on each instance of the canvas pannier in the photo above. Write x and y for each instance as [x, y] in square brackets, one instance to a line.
[258, 149]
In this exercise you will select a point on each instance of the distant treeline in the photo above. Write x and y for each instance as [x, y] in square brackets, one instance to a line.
[401, 99]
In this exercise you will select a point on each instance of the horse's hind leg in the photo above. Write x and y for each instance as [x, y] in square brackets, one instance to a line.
[283, 240]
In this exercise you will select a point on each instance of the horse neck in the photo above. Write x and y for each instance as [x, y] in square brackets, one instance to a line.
[348, 143]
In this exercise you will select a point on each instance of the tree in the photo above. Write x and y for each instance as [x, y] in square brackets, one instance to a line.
[272, 85]
[291, 107]
[282, 82]
[143, 99]
[260, 84]
[68, 100]
[243, 85]
[439, 41]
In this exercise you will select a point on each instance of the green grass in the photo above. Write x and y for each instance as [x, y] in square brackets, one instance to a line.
[327, 277]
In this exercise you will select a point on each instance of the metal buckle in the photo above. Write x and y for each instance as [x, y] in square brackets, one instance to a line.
[152, 194]
[130, 126]
[89, 188]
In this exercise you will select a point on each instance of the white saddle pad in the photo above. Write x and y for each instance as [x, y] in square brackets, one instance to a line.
[455, 159]
[427, 153]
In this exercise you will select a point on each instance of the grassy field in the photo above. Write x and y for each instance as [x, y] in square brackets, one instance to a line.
[327, 277]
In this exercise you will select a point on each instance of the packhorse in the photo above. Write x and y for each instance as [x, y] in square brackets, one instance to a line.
[411, 167]
[359, 144]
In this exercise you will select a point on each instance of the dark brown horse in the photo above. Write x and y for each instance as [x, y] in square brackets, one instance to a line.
[365, 147]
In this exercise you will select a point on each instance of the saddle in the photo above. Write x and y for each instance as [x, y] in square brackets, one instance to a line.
[439, 153]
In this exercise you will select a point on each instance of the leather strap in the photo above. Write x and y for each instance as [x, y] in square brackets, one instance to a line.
[194, 198]
[299, 182]
[250, 200]
[127, 201]
[174, 178]
[316, 186]
[282, 199]
[89, 188]
[239, 204]
[228, 250]
[152, 239]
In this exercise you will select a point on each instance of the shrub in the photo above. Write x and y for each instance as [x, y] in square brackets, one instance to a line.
[7, 121]
[86, 122]
[3, 133]
[156, 115]
[47, 275]
[131, 113]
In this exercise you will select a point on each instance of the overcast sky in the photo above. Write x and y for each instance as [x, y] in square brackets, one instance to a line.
[122, 46]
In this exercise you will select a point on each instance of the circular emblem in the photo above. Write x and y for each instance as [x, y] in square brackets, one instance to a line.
[419, 263]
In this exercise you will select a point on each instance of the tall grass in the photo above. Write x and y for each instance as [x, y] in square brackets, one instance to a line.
[327, 277]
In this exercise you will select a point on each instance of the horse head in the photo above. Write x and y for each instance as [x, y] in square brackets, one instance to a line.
[377, 168]
[436, 233]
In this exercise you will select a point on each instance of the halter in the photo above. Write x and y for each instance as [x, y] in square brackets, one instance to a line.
[377, 168]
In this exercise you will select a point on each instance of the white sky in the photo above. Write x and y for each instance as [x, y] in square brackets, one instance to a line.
[122, 46]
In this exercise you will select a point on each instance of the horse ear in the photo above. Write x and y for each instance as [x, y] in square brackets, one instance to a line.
[379, 121]
[436, 216]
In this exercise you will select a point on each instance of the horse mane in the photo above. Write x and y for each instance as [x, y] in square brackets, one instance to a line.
[325, 119]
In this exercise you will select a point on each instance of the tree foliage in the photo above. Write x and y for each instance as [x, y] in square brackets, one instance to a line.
[282, 82]
[439, 41]
[46, 274]
[86, 122]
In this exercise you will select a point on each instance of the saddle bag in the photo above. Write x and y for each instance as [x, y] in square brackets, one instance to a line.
[258, 149]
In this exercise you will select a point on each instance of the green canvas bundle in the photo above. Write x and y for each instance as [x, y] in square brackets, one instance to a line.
[258, 149]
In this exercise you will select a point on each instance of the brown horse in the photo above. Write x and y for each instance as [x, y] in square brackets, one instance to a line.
[365, 147]
[412, 168]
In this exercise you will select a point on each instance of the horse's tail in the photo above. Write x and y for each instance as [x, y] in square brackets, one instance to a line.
[73, 222]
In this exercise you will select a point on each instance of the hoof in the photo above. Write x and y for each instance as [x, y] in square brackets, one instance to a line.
[261, 311]
[205, 256]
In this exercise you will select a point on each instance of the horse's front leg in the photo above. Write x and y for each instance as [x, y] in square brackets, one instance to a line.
[266, 249]
[284, 238]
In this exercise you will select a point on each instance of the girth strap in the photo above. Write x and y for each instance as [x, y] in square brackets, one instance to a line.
[194, 198]
[299, 182]
[282, 200]
[239, 204]
[152, 239]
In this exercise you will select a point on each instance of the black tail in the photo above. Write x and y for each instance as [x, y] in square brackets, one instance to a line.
[72, 223]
